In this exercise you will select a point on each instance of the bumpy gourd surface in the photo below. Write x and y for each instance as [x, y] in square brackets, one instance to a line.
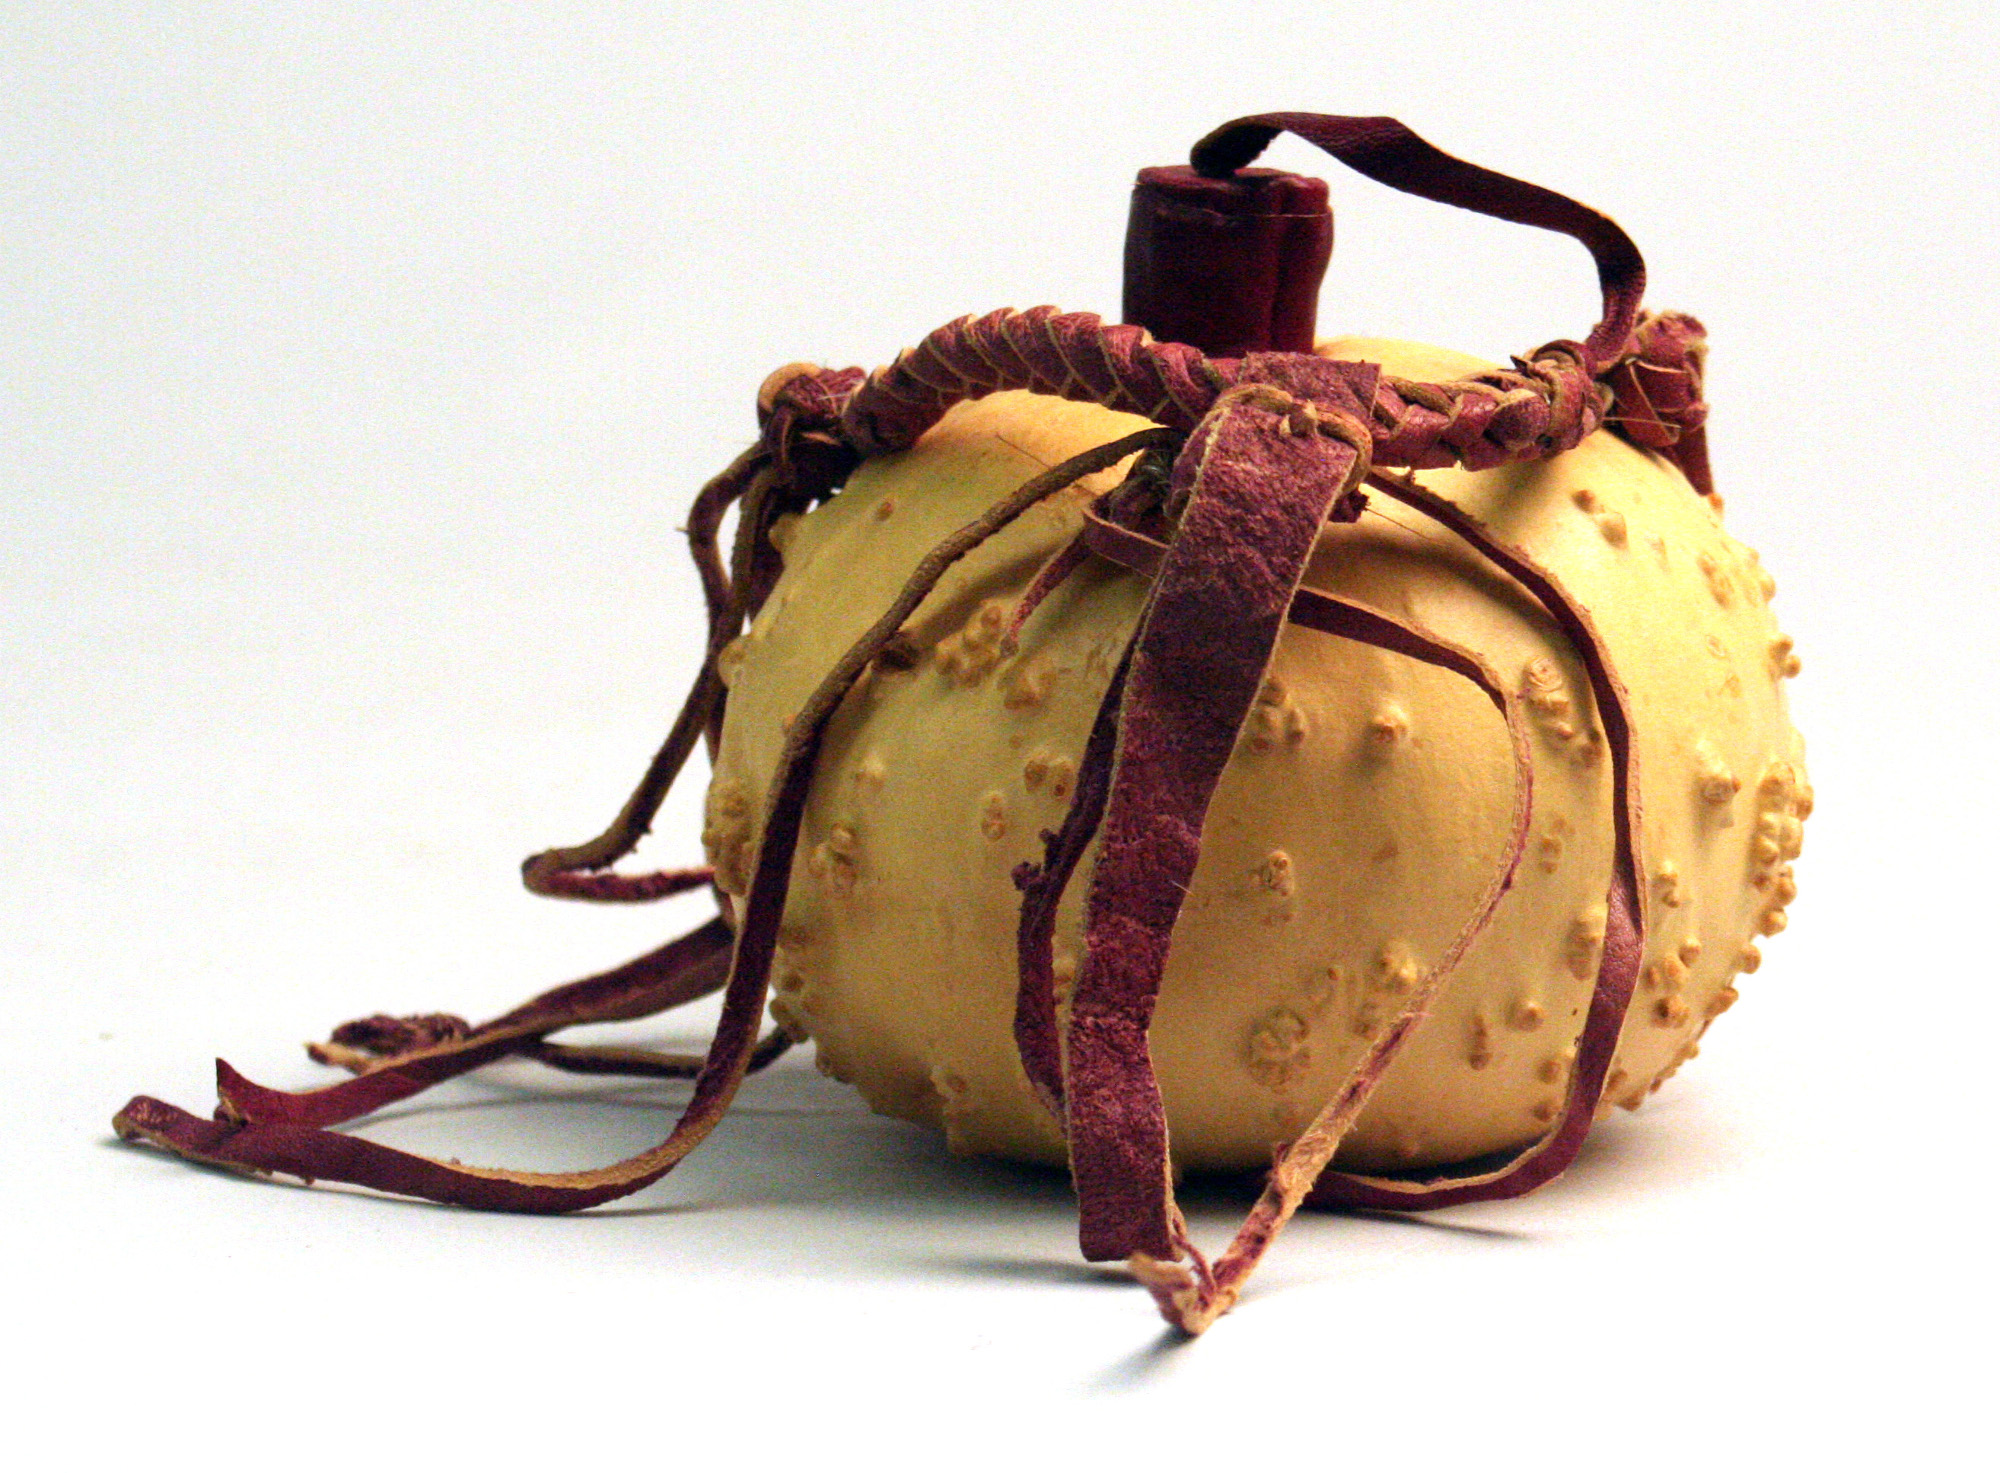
[1355, 827]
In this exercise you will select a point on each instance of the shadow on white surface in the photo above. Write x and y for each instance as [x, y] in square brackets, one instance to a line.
[800, 1147]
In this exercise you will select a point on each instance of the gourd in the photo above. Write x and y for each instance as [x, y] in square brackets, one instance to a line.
[1190, 749]
[1361, 813]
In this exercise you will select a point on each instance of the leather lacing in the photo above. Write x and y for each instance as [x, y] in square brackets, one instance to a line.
[1268, 446]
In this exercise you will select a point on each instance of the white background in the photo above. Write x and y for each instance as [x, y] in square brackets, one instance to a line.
[359, 362]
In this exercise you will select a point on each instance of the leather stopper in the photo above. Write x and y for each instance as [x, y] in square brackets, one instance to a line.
[1227, 266]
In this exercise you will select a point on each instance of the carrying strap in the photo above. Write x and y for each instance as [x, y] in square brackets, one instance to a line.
[1389, 153]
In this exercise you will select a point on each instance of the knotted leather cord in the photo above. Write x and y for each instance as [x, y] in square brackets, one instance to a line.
[1639, 374]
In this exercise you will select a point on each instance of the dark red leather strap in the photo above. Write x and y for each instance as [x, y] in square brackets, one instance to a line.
[1389, 153]
[304, 1150]
[1625, 921]
[1037, 1031]
[679, 972]
[1191, 1291]
[1255, 482]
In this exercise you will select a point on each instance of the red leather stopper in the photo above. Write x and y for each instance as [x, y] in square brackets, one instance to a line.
[1228, 266]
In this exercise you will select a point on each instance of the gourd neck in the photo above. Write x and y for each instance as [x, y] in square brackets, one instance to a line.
[1231, 265]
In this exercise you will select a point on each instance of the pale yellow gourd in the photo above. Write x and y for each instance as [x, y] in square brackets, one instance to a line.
[1359, 820]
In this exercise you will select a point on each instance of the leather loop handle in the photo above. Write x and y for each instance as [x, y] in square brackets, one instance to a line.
[1389, 153]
